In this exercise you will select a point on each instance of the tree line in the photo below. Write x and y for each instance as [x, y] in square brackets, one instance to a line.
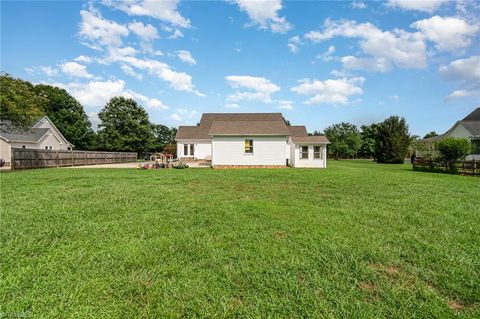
[386, 142]
[124, 124]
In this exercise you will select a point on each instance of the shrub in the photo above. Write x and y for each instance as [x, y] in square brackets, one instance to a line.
[392, 140]
[453, 149]
[181, 166]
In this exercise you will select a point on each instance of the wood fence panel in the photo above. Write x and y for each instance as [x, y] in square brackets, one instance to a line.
[25, 158]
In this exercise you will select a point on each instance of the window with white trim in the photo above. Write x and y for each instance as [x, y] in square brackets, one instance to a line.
[248, 147]
[192, 149]
[317, 152]
[185, 149]
[303, 152]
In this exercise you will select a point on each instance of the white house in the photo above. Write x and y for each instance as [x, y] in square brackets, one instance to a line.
[469, 128]
[250, 140]
[41, 135]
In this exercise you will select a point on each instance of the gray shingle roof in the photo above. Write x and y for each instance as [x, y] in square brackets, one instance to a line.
[298, 130]
[474, 116]
[472, 127]
[249, 128]
[19, 134]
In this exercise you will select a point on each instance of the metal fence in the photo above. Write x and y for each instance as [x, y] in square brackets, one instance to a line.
[25, 158]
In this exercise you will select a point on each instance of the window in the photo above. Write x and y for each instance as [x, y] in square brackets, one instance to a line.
[50, 147]
[317, 152]
[185, 149]
[304, 152]
[191, 150]
[475, 146]
[46, 147]
[248, 146]
[23, 146]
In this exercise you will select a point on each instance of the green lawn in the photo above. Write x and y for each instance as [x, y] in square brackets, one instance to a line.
[357, 239]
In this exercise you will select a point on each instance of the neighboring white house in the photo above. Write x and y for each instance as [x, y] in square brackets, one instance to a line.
[41, 135]
[468, 128]
[250, 140]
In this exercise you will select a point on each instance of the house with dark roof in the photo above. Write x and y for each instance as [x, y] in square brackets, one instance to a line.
[250, 140]
[469, 128]
[43, 134]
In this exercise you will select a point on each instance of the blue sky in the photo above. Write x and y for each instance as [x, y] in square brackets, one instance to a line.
[319, 63]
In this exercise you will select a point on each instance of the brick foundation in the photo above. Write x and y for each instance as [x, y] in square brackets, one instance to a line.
[246, 166]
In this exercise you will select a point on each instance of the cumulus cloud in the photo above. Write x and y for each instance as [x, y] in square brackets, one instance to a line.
[83, 59]
[334, 91]
[426, 6]
[285, 105]
[47, 70]
[251, 88]
[397, 47]
[165, 10]
[327, 55]
[448, 34]
[183, 115]
[95, 94]
[76, 70]
[129, 71]
[145, 32]
[358, 5]
[370, 64]
[186, 56]
[232, 106]
[467, 73]
[97, 31]
[294, 44]
[264, 13]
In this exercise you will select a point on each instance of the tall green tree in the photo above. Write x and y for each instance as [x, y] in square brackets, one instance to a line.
[67, 114]
[430, 134]
[18, 102]
[344, 140]
[367, 136]
[392, 140]
[124, 126]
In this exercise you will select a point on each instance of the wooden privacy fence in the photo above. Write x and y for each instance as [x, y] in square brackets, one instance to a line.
[461, 167]
[24, 158]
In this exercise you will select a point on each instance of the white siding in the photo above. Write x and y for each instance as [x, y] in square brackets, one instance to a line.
[310, 162]
[53, 138]
[50, 139]
[266, 150]
[202, 149]
[460, 131]
[5, 151]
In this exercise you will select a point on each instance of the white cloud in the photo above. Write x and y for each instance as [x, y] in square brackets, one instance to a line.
[186, 56]
[97, 31]
[285, 105]
[129, 71]
[76, 70]
[448, 34]
[465, 71]
[419, 5]
[232, 106]
[47, 70]
[94, 93]
[370, 64]
[395, 98]
[398, 47]
[358, 5]
[183, 115]
[151, 103]
[337, 91]
[145, 32]
[165, 10]
[327, 55]
[258, 88]
[462, 69]
[264, 13]
[294, 44]
[83, 58]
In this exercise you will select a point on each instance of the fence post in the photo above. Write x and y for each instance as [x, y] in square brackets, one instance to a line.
[12, 158]
[73, 158]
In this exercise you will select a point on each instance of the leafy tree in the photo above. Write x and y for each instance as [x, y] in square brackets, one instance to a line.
[392, 140]
[171, 149]
[67, 114]
[124, 126]
[287, 122]
[344, 139]
[367, 136]
[163, 136]
[18, 102]
[431, 134]
[315, 133]
[452, 149]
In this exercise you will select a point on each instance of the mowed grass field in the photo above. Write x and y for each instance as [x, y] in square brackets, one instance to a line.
[355, 240]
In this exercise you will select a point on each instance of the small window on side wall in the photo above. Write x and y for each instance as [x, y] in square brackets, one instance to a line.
[304, 152]
[248, 146]
[317, 152]
[192, 148]
[185, 149]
